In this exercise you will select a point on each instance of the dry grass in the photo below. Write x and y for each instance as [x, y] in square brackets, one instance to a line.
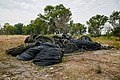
[111, 41]
[89, 65]
[8, 41]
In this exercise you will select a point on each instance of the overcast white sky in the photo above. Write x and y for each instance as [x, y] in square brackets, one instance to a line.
[22, 11]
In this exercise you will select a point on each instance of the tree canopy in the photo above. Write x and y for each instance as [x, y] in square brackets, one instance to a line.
[114, 20]
[58, 19]
[77, 28]
[95, 24]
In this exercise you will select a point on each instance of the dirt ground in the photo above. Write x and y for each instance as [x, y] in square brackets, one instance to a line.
[88, 65]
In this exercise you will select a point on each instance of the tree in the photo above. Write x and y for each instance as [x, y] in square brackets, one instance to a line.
[18, 28]
[1, 31]
[26, 30]
[77, 28]
[56, 18]
[107, 30]
[114, 20]
[7, 28]
[39, 26]
[116, 32]
[95, 24]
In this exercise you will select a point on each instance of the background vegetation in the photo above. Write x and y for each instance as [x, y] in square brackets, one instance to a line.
[58, 19]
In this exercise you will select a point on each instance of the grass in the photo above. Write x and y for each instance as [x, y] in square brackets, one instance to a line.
[88, 65]
[8, 41]
[110, 41]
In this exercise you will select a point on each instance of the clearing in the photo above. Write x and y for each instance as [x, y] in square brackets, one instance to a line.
[88, 65]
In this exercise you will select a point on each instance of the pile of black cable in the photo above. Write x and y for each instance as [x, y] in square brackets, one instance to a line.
[41, 53]
[86, 43]
[46, 50]
[70, 44]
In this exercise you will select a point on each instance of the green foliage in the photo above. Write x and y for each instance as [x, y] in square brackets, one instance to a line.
[95, 24]
[27, 30]
[114, 20]
[116, 32]
[18, 28]
[56, 18]
[8, 29]
[38, 26]
[77, 28]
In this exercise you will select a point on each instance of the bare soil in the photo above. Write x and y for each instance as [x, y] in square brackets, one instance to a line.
[88, 65]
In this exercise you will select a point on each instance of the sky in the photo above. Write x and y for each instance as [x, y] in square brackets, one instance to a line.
[23, 11]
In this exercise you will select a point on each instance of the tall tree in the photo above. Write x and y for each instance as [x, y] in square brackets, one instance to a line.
[39, 26]
[26, 29]
[56, 17]
[77, 28]
[18, 28]
[95, 24]
[8, 29]
[114, 20]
